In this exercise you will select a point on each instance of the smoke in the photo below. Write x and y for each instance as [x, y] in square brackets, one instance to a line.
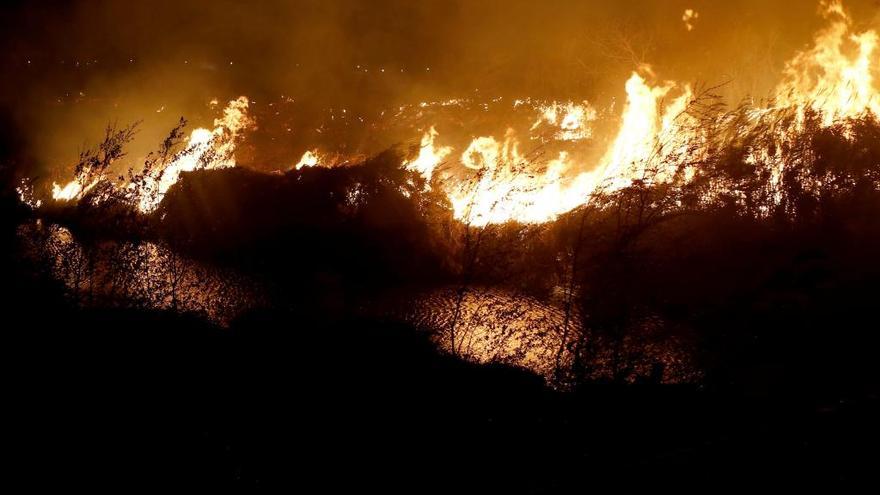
[72, 67]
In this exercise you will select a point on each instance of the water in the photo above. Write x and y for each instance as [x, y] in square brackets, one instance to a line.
[142, 275]
[504, 326]
[485, 325]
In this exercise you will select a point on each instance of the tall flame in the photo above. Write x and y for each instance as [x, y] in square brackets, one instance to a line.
[507, 188]
[497, 183]
[643, 128]
[206, 149]
[834, 77]
[309, 159]
[429, 155]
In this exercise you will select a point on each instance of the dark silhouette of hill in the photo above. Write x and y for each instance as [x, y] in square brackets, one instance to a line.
[125, 398]
[369, 222]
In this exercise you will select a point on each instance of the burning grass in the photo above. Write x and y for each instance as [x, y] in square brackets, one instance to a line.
[666, 259]
[604, 240]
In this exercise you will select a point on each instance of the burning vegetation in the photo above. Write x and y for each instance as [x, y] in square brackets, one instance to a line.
[671, 236]
[549, 191]
[666, 133]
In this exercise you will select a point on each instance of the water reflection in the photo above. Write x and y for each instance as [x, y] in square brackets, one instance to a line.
[486, 325]
[142, 275]
[492, 326]
[501, 326]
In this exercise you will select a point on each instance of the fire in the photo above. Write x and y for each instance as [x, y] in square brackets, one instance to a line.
[493, 181]
[72, 190]
[309, 159]
[643, 127]
[429, 156]
[507, 187]
[206, 149]
[572, 119]
[834, 77]
[689, 17]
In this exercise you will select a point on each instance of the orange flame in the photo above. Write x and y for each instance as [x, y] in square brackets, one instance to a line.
[835, 76]
[429, 156]
[71, 191]
[497, 183]
[506, 187]
[309, 159]
[206, 149]
[572, 119]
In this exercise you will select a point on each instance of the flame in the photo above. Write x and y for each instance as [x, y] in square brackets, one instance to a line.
[25, 193]
[571, 118]
[206, 149]
[643, 129]
[74, 189]
[497, 183]
[832, 79]
[505, 188]
[309, 159]
[68, 192]
[689, 17]
[834, 76]
[429, 156]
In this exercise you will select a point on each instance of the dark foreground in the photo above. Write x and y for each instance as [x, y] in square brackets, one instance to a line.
[326, 403]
